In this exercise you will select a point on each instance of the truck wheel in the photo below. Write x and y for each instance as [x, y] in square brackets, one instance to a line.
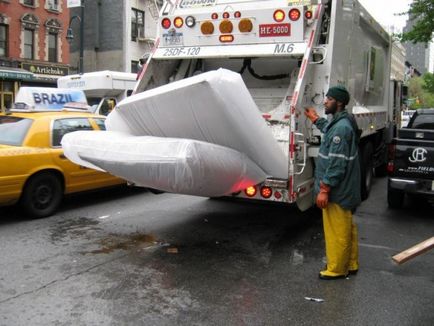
[395, 198]
[366, 169]
[42, 195]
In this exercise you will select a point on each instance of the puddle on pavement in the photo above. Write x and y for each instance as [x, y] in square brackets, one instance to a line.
[73, 228]
[133, 241]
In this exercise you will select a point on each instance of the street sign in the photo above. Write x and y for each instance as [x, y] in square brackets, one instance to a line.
[73, 3]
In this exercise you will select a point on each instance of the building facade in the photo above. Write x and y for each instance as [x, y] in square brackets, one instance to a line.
[33, 48]
[116, 34]
[417, 54]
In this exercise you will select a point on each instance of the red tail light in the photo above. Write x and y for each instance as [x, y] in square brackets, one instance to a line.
[266, 192]
[308, 14]
[294, 14]
[390, 167]
[165, 23]
[391, 157]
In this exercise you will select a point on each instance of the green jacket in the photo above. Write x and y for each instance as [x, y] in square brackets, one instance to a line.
[338, 162]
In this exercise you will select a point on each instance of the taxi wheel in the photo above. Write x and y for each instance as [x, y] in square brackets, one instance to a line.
[42, 195]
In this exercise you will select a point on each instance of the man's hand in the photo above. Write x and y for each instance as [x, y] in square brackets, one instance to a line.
[322, 199]
[311, 114]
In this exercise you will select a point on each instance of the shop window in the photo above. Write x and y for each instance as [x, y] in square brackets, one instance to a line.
[137, 24]
[52, 47]
[29, 44]
[6, 94]
[3, 40]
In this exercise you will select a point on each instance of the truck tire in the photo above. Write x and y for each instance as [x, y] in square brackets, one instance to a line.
[395, 198]
[366, 170]
[42, 195]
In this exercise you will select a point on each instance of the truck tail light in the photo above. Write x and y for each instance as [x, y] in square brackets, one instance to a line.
[294, 14]
[308, 14]
[226, 27]
[391, 158]
[226, 15]
[250, 191]
[279, 15]
[245, 25]
[207, 28]
[266, 192]
[237, 14]
[165, 23]
[214, 15]
[178, 22]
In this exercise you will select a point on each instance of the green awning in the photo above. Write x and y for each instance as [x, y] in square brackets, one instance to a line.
[15, 74]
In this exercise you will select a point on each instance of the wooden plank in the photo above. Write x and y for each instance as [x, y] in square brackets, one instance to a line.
[414, 251]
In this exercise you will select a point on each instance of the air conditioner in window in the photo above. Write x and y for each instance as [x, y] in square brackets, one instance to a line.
[142, 37]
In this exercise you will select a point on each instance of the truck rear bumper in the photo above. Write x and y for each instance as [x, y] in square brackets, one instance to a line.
[425, 187]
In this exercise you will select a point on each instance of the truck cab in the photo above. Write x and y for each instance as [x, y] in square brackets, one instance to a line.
[103, 89]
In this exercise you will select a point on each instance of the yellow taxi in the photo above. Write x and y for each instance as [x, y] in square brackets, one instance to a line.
[33, 169]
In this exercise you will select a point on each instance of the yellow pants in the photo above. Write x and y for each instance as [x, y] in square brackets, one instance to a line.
[342, 249]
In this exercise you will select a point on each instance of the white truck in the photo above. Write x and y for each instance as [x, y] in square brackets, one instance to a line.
[288, 52]
[103, 89]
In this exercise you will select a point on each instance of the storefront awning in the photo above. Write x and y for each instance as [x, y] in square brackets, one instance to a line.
[15, 74]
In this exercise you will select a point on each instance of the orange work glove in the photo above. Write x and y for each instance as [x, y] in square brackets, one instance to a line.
[311, 114]
[322, 199]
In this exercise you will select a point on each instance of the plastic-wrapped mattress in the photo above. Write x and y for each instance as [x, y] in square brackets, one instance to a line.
[215, 107]
[202, 136]
[175, 165]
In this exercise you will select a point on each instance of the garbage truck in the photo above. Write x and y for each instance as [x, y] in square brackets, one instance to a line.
[103, 89]
[288, 53]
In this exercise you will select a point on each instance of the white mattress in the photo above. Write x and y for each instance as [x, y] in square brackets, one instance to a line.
[213, 107]
[175, 165]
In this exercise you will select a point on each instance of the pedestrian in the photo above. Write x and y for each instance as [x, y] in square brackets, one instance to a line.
[337, 183]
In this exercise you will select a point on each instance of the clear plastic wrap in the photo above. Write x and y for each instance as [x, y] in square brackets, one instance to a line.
[175, 165]
[215, 107]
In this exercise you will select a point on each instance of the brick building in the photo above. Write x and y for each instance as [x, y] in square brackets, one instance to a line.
[33, 48]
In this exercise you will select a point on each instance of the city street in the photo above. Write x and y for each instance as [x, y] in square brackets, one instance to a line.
[130, 257]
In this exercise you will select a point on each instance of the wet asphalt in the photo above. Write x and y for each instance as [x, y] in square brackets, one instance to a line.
[129, 257]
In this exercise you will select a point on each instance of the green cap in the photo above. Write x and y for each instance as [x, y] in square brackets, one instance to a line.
[339, 93]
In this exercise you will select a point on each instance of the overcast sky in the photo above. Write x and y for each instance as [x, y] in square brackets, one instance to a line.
[384, 10]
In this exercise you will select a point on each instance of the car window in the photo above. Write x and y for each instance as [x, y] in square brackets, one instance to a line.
[13, 130]
[101, 123]
[63, 126]
[423, 121]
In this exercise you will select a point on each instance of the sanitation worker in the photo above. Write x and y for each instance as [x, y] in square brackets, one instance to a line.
[337, 183]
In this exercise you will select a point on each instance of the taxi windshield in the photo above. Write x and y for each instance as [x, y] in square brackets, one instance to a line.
[13, 130]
